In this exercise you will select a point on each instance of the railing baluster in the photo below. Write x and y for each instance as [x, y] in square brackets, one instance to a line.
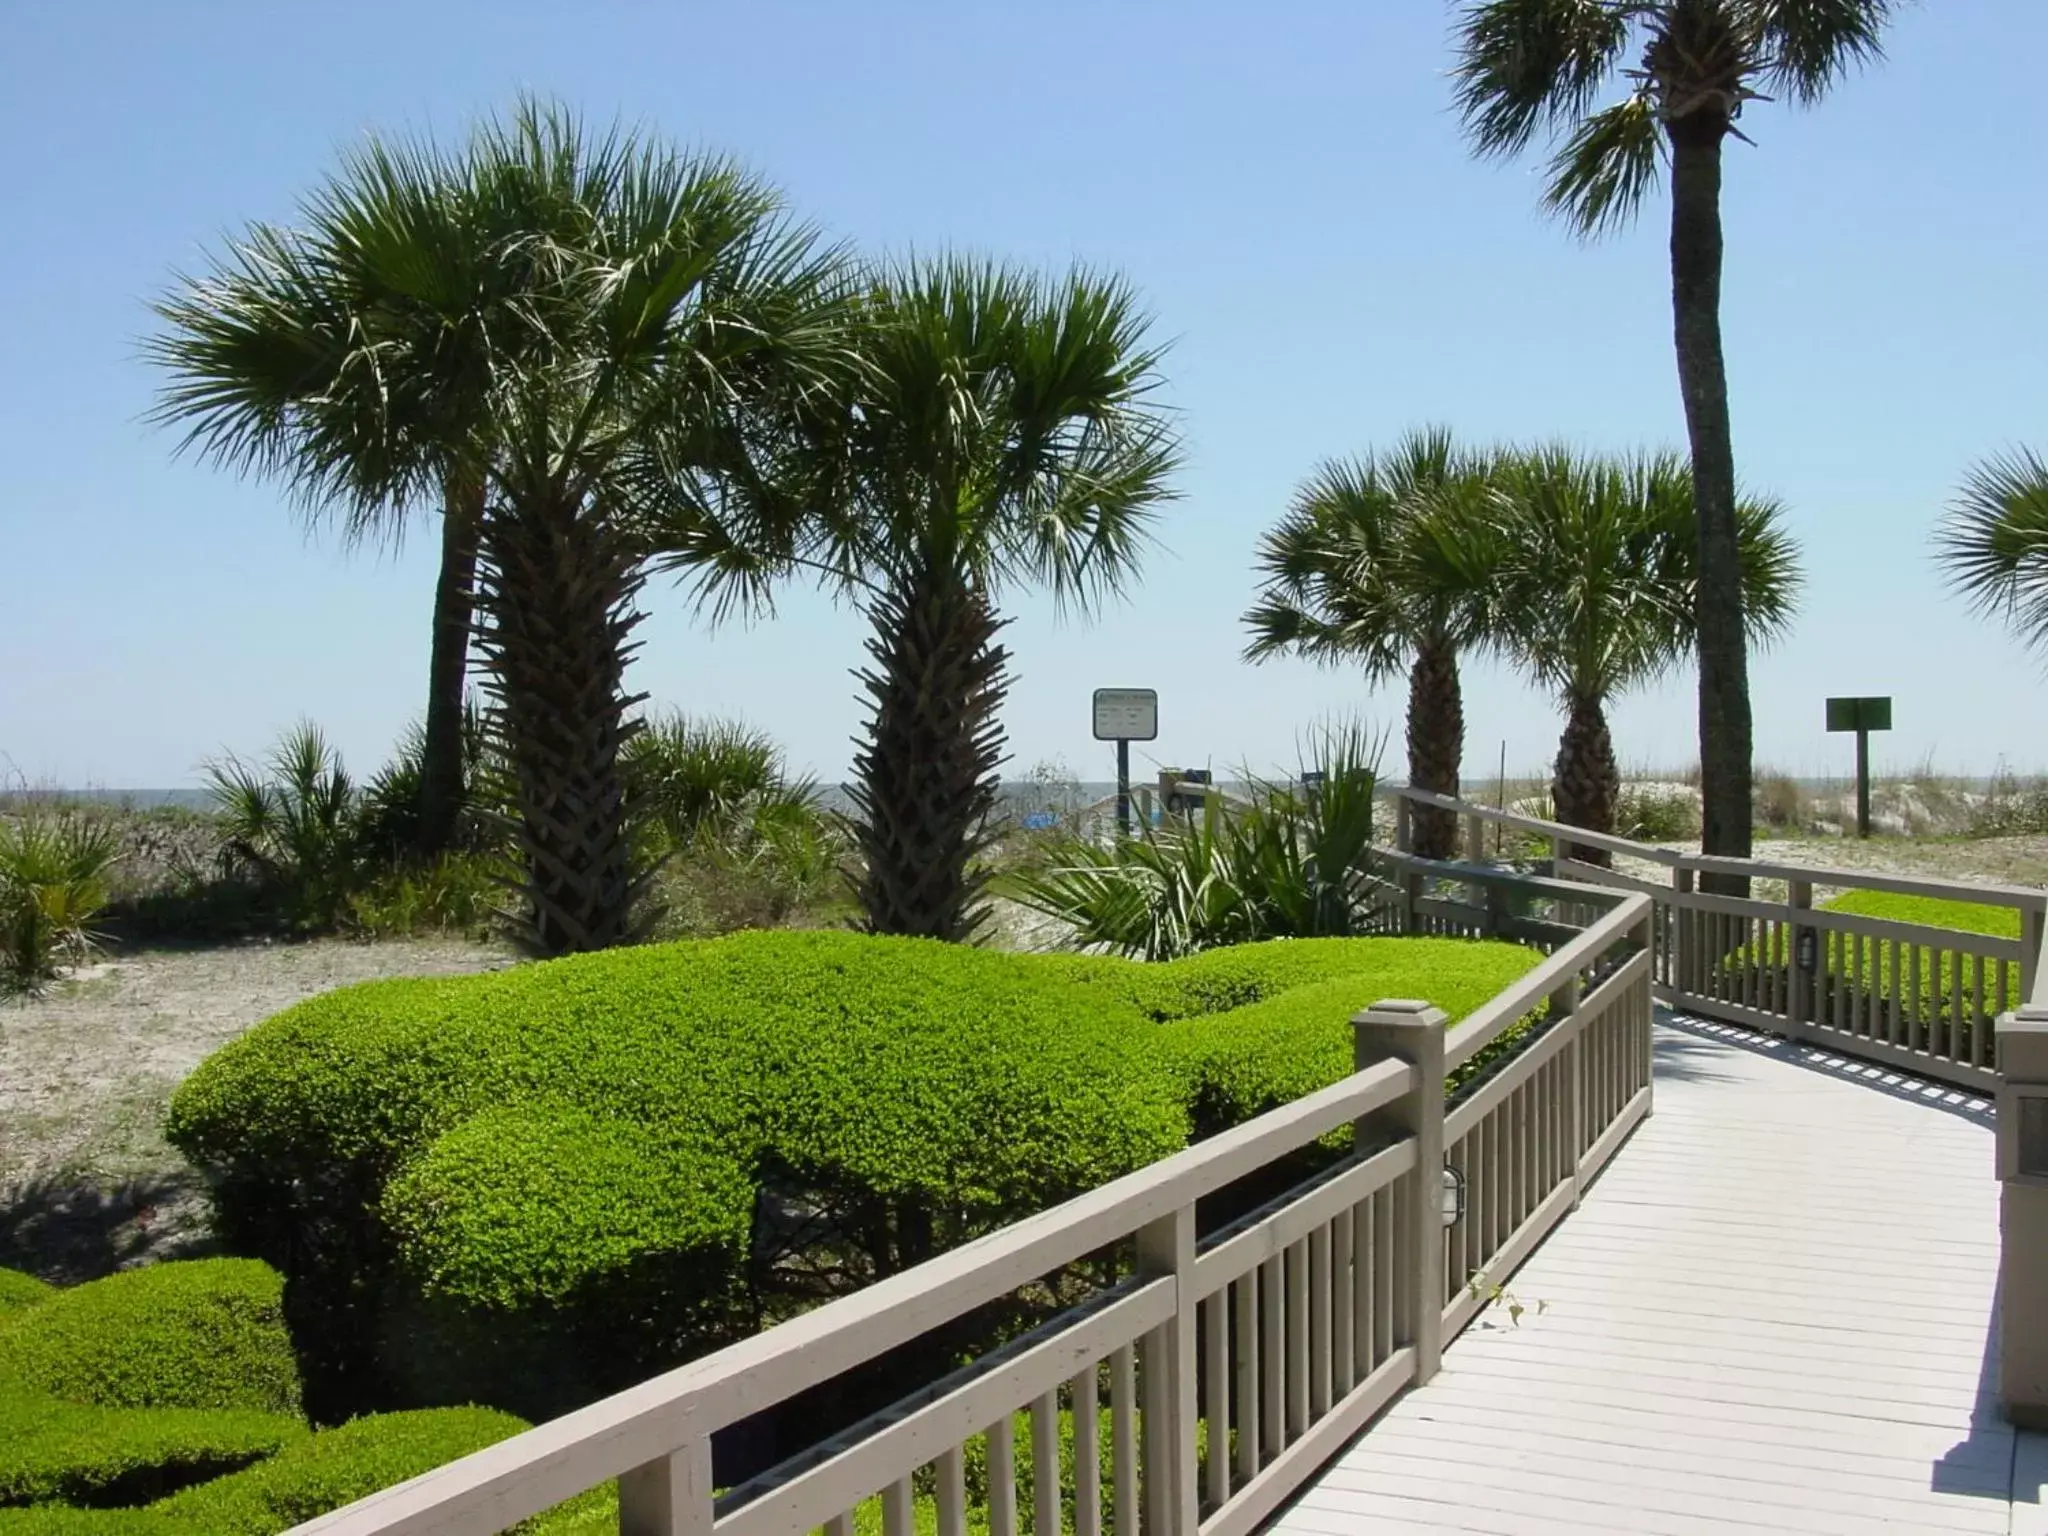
[1246, 1300]
[1045, 1465]
[1980, 1016]
[1341, 1377]
[896, 1510]
[1123, 1438]
[951, 1475]
[1318, 1323]
[842, 1525]
[1081, 1394]
[1002, 1477]
[1297, 1339]
[670, 1496]
[1272, 1358]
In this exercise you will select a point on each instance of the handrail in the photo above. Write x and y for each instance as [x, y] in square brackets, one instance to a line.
[1485, 1024]
[2026, 898]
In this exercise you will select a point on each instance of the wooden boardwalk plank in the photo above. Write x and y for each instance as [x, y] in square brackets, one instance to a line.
[1769, 1314]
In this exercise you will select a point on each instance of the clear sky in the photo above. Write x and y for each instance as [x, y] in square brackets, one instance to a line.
[1286, 185]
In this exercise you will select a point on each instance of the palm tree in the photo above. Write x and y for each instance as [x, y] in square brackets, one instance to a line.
[1993, 545]
[1599, 594]
[276, 356]
[1526, 66]
[651, 334]
[1004, 436]
[1379, 563]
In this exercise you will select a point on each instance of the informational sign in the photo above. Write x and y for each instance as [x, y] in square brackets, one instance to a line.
[1861, 716]
[1126, 714]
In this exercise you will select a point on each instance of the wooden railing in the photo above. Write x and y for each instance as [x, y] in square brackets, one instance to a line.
[1909, 994]
[1203, 1389]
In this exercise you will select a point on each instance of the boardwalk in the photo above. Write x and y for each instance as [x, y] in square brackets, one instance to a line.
[1768, 1315]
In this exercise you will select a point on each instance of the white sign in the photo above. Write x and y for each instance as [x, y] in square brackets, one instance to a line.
[1126, 714]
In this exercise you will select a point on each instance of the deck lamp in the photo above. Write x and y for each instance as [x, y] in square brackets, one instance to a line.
[1454, 1196]
[1807, 954]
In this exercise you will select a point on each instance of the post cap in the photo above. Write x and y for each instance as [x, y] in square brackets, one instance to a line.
[2029, 1019]
[1400, 1012]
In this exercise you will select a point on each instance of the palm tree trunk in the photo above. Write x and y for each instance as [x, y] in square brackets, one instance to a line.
[1585, 786]
[448, 670]
[1724, 717]
[1436, 743]
[557, 589]
[925, 780]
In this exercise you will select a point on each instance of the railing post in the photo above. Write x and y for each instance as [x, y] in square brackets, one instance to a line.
[671, 1496]
[1682, 927]
[2033, 933]
[1564, 1002]
[1475, 839]
[1799, 897]
[1166, 1380]
[2023, 1217]
[1413, 1032]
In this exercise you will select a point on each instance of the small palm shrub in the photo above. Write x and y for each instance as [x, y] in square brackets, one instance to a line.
[1657, 813]
[54, 869]
[388, 815]
[1292, 862]
[292, 825]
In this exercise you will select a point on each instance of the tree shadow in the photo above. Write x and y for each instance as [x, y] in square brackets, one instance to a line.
[1893, 1082]
[68, 1229]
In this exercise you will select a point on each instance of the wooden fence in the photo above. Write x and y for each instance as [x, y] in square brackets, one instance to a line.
[1206, 1387]
[1912, 995]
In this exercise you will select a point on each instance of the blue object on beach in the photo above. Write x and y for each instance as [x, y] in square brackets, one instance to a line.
[1040, 821]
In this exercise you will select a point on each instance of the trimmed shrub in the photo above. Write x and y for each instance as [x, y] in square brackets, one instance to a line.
[197, 1333]
[1967, 916]
[19, 1291]
[125, 1389]
[1297, 1039]
[53, 1450]
[604, 1164]
[317, 1473]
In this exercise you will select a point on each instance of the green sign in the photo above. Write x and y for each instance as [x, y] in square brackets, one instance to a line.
[1859, 714]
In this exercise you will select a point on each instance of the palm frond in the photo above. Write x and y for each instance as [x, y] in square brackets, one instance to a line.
[1811, 44]
[1526, 66]
[1993, 544]
[1600, 174]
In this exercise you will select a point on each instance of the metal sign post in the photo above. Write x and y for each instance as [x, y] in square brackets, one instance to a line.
[1125, 715]
[1861, 716]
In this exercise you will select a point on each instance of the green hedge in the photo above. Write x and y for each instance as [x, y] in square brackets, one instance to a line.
[315, 1474]
[19, 1291]
[54, 1450]
[582, 1164]
[123, 1389]
[199, 1333]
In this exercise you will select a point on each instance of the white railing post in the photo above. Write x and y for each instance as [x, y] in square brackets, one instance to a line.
[2023, 1217]
[1682, 927]
[1166, 1380]
[1475, 839]
[671, 1496]
[1413, 1032]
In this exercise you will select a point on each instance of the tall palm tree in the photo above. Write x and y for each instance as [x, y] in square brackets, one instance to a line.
[267, 355]
[1993, 545]
[1004, 436]
[1600, 587]
[1526, 66]
[1380, 563]
[653, 334]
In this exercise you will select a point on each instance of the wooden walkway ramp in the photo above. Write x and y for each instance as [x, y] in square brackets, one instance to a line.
[1769, 1314]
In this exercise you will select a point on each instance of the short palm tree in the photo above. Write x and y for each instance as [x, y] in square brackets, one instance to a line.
[1599, 594]
[650, 333]
[279, 362]
[1381, 564]
[1993, 545]
[1530, 66]
[1004, 436]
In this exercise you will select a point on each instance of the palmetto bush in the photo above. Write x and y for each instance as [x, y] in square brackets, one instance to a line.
[1289, 862]
[53, 884]
[292, 825]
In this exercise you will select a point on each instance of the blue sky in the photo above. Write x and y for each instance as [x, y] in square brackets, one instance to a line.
[1284, 183]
